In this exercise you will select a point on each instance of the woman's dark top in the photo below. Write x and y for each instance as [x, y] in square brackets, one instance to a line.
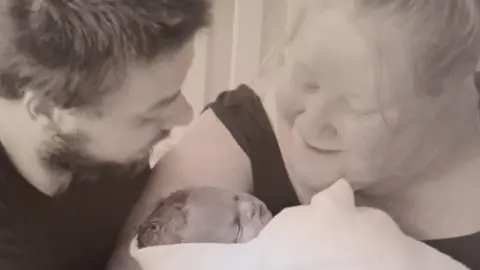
[242, 113]
[74, 231]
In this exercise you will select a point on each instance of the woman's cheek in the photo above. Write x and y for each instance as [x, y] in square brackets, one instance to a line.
[290, 103]
[366, 142]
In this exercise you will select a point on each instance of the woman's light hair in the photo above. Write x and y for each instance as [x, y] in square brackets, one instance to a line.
[441, 37]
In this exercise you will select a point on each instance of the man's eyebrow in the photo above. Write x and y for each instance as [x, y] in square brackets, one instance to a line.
[166, 101]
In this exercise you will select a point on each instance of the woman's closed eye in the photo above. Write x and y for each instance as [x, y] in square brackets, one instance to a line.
[357, 107]
[305, 78]
[310, 87]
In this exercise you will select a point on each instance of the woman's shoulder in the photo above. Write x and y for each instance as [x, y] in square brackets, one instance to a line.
[243, 96]
[243, 114]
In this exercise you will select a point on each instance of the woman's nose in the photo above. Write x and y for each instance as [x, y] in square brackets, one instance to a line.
[327, 131]
[320, 119]
[185, 115]
[324, 116]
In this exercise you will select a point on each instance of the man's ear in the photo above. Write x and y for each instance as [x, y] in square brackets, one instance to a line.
[47, 114]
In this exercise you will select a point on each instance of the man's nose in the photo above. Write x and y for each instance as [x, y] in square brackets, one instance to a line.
[180, 114]
[185, 115]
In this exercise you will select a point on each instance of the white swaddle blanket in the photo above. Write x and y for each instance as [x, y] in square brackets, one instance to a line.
[331, 233]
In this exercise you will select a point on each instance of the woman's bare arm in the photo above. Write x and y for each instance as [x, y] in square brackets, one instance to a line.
[206, 155]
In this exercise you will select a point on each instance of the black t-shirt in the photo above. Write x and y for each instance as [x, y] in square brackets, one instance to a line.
[242, 113]
[74, 231]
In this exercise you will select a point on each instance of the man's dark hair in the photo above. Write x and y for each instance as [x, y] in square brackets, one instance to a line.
[67, 50]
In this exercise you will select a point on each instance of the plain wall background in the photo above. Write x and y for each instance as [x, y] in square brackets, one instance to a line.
[230, 52]
[243, 33]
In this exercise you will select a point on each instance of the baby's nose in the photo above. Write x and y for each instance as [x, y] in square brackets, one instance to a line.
[254, 210]
[264, 214]
[247, 209]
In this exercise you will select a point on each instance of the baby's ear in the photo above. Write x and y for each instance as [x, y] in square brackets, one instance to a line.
[175, 232]
[171, 238]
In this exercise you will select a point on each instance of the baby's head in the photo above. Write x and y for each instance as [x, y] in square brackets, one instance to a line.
[204, 215]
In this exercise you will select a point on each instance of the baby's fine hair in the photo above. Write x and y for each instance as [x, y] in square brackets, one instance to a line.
[165, 224]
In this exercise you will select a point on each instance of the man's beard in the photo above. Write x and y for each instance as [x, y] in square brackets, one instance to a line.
[67, 157]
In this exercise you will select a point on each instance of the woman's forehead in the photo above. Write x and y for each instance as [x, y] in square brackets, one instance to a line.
[329, 41]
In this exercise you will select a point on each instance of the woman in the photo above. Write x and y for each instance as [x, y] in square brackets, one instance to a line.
[378, 92]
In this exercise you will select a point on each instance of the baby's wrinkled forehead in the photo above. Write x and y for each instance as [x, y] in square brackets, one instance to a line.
[210, 193]
[216, 197]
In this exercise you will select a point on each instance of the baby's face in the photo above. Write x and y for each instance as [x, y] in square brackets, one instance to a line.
[221, 216]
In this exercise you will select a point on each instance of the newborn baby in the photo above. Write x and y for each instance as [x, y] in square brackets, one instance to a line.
[204, 215]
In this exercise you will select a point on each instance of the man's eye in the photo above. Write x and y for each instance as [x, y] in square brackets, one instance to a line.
[153, 227]
[146, 120]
